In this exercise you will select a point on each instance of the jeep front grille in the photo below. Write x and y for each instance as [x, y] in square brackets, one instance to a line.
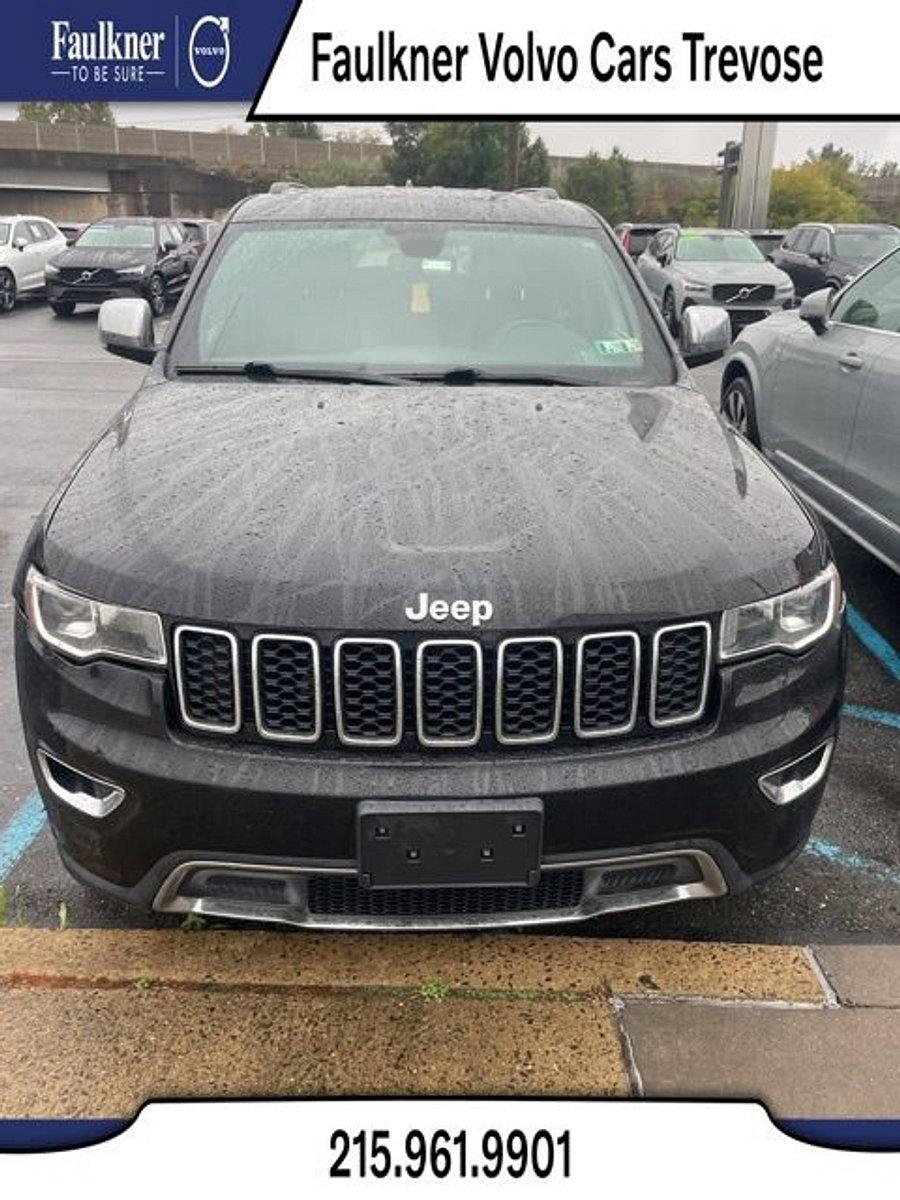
[442, 693]
[681, 661]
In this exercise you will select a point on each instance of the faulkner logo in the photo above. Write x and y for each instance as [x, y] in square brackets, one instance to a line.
[106, 53]
[209, 50]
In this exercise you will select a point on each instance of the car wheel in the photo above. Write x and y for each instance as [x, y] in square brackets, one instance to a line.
[670, 314]
[738, 407]
[156, 295]
[7, 291]
[63, 308]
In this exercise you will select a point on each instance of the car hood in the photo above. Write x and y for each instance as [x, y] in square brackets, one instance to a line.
[730, 272]
[88, 257]
[331, 507]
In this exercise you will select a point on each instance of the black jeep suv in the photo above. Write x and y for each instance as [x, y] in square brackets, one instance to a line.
[418, 586]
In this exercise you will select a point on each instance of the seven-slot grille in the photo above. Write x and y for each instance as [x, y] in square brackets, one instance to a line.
[444, 692]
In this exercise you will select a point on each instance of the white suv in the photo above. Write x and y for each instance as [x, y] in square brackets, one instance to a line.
[27, 244]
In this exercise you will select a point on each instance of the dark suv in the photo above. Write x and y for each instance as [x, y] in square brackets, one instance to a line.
[816, 255]
[122, 256]
[419, 586]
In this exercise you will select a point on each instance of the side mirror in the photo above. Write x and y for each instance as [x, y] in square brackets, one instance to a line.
[20, 243]
[705, 333]
[815, 307]
[125, 328]
[168, 246]
[819, 256]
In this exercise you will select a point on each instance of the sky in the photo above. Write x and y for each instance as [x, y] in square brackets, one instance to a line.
[693, 141]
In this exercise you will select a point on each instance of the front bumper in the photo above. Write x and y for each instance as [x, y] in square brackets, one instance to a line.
[193, 804]
[63, 293]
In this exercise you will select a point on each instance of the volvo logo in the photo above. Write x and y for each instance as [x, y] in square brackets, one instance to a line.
[209, 50]
[476, 611]
[743, 293]
[85, 276]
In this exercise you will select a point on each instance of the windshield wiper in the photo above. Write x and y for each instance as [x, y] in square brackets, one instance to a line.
[472, 375]
[256, 369]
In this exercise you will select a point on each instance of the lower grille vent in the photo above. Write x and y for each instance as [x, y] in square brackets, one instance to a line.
[341, 896]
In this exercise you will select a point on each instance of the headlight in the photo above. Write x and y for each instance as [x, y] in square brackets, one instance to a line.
[784, 288]
[791, 621]
[84, 628]
[50, 271]
[133, 272]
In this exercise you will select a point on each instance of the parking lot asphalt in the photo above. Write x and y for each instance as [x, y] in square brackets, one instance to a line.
[58, 389]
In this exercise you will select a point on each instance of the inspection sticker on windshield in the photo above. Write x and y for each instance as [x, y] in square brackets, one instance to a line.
[627, 345]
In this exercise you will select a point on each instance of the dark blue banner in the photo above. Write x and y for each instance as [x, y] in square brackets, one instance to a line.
[119, 50]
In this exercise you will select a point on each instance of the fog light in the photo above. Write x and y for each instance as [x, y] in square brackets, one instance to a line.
[95, 797]
[793, 781]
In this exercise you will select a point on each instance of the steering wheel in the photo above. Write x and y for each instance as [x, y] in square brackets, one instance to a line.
[572, 346]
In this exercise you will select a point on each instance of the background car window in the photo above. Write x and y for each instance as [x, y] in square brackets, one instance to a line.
[804, 241]
[819, 242]
[791, 239]
[50, 231]
[428, 296]
[4, 232]
[861, 245]
[717, 247]
[874, 300]
[38, 231]
[173, 233]
[22, 231]
[107, 235]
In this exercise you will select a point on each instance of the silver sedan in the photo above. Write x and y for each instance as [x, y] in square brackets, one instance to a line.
[818, 391]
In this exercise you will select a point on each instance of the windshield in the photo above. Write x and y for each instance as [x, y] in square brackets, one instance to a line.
[422, 298]
[863, 244]
[717, 247]
[108, 235]
[4, 232]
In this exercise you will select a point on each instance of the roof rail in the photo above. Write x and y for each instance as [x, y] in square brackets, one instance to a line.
[286, 185]
[542, 193]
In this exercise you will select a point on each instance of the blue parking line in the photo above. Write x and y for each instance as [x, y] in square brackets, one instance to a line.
[20, 831]
[873, 641]
[851, 861]
[878, 716]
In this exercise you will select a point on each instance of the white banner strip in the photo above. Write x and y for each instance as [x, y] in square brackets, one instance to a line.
[521, 58]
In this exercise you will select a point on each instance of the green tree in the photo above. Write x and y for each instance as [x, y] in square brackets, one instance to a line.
[465, 154]
[820, 189]
[605, 184]
[309, 130]
[406, 139]
[59, 112]
[534, 163]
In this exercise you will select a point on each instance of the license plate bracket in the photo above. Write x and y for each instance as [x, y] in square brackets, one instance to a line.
[440, 843]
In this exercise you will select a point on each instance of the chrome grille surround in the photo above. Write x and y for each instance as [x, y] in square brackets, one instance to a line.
[439, 742]
[553, 731]
[189, 721]
[259, 709]
[695, 713]
[613, 730]
[349, 739]
[403, 671]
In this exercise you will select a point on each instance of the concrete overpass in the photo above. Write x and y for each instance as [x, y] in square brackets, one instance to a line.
[75, 173]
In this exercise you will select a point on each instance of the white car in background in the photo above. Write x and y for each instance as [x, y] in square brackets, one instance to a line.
[27, 244]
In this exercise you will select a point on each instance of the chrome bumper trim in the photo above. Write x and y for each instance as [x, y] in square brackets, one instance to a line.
[593, 903]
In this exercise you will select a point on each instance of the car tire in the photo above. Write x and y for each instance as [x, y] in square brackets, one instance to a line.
[7, 291]
[156, 295]
[738, 407]
[670, 313]
[62, 308]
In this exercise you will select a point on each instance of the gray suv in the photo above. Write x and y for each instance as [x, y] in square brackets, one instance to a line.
[817, 390]
[712, 266]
